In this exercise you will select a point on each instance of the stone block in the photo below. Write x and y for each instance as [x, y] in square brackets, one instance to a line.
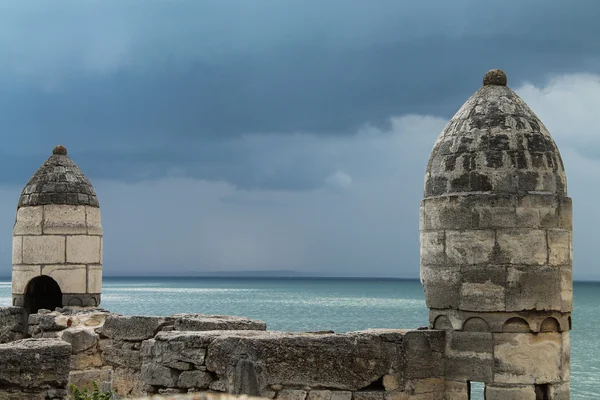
[498, 217]
[29, 221]
[423, 354]
[70, 278]
[46, 249]
[469, 247]
[559, 247]
[526, 358]
[533, 288]
[368, 395]
[509, 393]
[122, 354]
[523, 246]
[319, 395]
[64, 219]
[83, 249]
[347, 362]
[52, 321]
[195, 379]
[432, 248]
[442, 286]
[565, 213]
[565, 356]
[290, 394]
[94, 279]
[341, 395]
[81, 339]
[93, 219]
[566, 288]
[11, 323]
[476, 344]
[21, 364]
[201, 322]
[449, 213]
[469, 368]
[527, 217]
[17, 250]
[21, 275]
[560, 391]
[158, 375]
[482, 288]
[133, 328]
[167, 352]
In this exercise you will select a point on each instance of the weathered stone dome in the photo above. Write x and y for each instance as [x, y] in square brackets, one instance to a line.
[58, 181]
[496, 220]
[495, 144]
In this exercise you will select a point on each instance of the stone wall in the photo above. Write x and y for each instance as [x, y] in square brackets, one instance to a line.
[63, 242]
[367, 365]
[12, 324]
[34, 369]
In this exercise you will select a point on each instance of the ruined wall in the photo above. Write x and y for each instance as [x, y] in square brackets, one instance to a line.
[34, 369]
[12, 324]
[367, 365]
[139, 355]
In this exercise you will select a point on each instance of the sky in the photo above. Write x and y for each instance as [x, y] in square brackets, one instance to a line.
[267, 135]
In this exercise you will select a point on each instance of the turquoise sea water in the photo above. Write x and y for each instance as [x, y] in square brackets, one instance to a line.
[338, 304]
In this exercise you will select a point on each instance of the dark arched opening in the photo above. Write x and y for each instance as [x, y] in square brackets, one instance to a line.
[42, 292]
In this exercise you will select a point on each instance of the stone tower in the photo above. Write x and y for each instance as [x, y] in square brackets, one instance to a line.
[57, 239]
[496, 249]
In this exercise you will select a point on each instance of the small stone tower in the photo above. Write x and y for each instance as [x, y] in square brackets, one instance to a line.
[57, 239]
[496, 249]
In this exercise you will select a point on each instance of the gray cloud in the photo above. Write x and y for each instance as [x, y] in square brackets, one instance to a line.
[365, 225]
[139, 89]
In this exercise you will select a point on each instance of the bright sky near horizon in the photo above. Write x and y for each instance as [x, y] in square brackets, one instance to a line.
[256, 135]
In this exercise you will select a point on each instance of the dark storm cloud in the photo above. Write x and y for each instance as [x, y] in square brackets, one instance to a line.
[136, 89]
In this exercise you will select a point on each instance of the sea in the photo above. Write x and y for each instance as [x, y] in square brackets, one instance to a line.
[341, 305]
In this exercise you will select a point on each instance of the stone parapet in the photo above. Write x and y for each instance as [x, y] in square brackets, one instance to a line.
[36, 369]
[361, 365]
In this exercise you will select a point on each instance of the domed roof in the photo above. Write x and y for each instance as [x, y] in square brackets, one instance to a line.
[58, 181]
[495, 144]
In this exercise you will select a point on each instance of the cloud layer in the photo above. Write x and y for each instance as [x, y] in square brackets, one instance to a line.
[356, 215]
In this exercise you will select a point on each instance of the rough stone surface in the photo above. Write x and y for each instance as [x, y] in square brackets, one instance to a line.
[496, 247]
[133, 328]
[11, 324]
[81, 339]
[58, 181]
[22, 364]
[201, 322]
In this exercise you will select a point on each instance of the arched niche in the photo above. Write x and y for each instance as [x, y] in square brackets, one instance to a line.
[442, 322]
[550, 324]
[42, 292]
[476, 324]
[516, 325]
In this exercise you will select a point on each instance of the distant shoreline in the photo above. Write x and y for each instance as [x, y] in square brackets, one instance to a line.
[269, 277]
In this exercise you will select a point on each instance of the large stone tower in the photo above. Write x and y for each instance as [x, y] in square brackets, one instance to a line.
[496, 249]
[57, 239]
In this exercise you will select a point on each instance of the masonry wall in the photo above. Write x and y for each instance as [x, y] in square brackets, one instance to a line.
[34, 369]
[63, 242]
[367, 365]
[139, 355]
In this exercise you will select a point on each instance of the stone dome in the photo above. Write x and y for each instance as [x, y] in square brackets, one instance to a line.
[496, 144]
[496, 221]
[58, 181]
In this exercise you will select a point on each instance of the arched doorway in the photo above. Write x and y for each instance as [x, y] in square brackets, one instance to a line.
[42, 292]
